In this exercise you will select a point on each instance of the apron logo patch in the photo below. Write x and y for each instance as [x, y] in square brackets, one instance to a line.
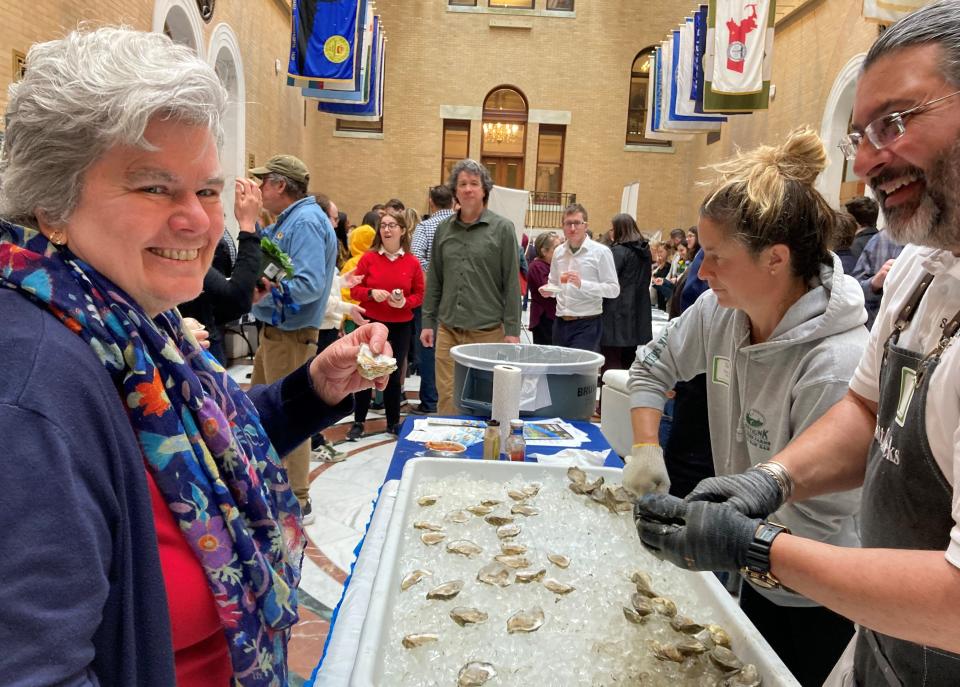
[884, 439]
[720, 373]
[755, 431]
[908, 384]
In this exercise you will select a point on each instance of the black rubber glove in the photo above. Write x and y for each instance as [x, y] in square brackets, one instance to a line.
[695, 535]
[754, 493]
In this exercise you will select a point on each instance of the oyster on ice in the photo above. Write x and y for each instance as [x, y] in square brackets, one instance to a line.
[371, 366]
[517, 495]
[512, 548]
[464, 615]
[446, 591]
[480, 509]
[559, 560]
[475, 674]
[424, 525]
[498, 520]
[685, 625]
[748, 676]
[494, 573]
[718, 635]
[508, 531]
[525, 621]
[644, 583]
[427, 499]
[431, 538]
[531, 489]
[513, 561]
[464, 547]
[633, 616]
[725, 659]
[412, 577]
[557, 587]
[524, 576]
[457, 516]
[688, 646]
[664, 606]
[524, 509]
[641, 604]
[419, 639]
[666, 652]
[490, 502]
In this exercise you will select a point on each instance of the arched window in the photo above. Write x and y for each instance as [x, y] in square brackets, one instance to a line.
[637, 105]
[504, 137]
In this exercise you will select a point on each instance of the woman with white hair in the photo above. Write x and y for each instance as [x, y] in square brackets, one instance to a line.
[150, 533]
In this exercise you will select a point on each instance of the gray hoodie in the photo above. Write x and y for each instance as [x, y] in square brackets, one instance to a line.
[762, 395]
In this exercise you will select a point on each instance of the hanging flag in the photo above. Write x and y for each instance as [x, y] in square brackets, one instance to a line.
[699, 49]
[372, 110]
[656, 124]
[890, 11]
[732, 44]
[740, 31]
[326, 35]
[682, 108]
[361, 93]
[670, 120]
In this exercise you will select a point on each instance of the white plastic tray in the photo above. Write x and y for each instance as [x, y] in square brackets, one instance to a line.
[367, 672]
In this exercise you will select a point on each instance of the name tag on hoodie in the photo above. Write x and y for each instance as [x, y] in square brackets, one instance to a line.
[720, 373]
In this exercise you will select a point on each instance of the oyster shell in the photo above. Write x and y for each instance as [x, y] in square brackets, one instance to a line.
[425, 525]
[446, 591]
[508, 531]
[428, 499]
[644, 583]
[524, 509]
[412, 577]
[586, 487]
[412, 641]
[559, 560]
[526, 621]
[685, 625]
[494, 573]
[371, 366]
[531, 489]
[480, 509]
[513, 561]
[725, 659]
[748, 676]
[458, 516]
[490, 502]
[512, 548]
[641, 604]
[688, 646]
[718, 635]
[431, 538]
[557, 587]
[524, 576]
[464, 615]
[666, 652]
[475, 673]
[576, 475]
[616, 499]
[517, 495]
[464, 547]
[498, 520]
[664, 606]
[633, 616]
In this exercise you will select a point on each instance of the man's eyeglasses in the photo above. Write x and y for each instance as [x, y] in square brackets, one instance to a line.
[884, 130]
[389, 225]
[574, 223]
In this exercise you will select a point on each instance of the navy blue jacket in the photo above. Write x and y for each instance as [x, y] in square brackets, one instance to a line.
[82, 600]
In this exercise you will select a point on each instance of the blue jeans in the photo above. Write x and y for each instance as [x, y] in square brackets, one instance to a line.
[425, 365]
[584, 334]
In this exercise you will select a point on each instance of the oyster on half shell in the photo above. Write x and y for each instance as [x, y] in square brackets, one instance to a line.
[475, 674]
[412, 641]
[557, 587]
[508, 531]
[524, 509]
[371, 366]
[494, 573]
[559, 560]
[464, 547]
[498, 520]
[524, 576]
[431, 538]
[464, 615]
[446, 591]
[412, 577]
[526, 621]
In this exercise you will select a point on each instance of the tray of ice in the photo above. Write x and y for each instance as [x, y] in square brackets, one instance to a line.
[498, 573]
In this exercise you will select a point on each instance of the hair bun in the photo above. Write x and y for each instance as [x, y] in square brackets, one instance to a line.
[802, 156]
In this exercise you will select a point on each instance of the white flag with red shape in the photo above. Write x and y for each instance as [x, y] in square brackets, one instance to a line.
[740, 41]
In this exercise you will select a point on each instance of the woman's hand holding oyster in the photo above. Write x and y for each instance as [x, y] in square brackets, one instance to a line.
[353, 362]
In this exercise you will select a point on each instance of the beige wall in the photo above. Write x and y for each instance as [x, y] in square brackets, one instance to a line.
[437, 58]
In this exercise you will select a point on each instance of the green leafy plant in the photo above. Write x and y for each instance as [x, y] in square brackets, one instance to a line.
[273, 253]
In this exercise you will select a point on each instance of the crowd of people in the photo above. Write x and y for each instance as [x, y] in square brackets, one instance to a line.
[815, 444]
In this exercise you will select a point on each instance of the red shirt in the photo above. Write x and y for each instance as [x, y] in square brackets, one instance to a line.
[200, 647]
[379, 272]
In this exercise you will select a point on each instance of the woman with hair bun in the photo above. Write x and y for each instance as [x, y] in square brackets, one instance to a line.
[778, 335]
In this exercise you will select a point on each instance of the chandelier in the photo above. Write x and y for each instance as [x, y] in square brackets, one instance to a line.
[501, 132]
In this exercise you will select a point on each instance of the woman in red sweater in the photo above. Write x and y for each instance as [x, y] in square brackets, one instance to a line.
[392, 287]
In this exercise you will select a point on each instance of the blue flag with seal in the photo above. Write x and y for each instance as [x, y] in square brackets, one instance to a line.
[326, 35]
[361, 93]
[372, 110]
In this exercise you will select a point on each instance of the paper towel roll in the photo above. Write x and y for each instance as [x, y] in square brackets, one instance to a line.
[507, 380]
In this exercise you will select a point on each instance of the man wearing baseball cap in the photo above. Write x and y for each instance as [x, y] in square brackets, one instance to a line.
[291, 314]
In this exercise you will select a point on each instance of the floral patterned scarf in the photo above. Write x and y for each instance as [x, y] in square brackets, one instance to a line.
[201, 439]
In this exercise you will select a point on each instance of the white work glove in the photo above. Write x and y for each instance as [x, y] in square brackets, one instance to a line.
[645, 472]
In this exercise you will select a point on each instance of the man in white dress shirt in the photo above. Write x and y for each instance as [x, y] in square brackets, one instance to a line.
[582, 274]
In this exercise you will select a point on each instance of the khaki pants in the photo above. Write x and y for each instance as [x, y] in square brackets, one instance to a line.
[280, 353]
[447, 338]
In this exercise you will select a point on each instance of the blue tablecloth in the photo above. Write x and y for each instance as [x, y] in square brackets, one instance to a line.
[405, 450]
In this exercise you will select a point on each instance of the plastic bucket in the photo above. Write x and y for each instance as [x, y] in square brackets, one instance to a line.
[569, 375]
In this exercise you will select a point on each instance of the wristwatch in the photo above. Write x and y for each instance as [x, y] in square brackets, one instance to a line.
[757, 569]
